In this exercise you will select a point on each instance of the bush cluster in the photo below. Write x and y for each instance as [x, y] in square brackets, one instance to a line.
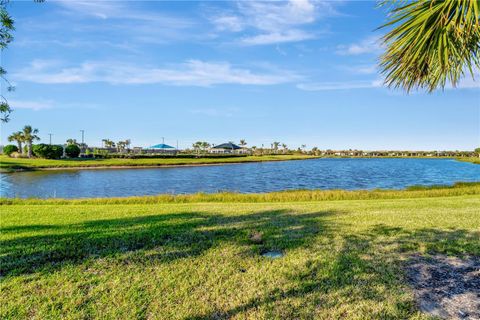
[9, 149]
[72, 151]
[165, 156]
[48, 151]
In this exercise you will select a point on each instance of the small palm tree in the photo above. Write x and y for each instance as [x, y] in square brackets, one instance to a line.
[30, 135]
[275, 146]
[120, 146]
[204, 145]
[197, 146]
[17, 137]
[72, 141]
[108, 143]
[431, 43]
[243, 143]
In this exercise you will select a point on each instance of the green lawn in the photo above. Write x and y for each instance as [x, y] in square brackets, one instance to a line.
[7, 163]
[475, 160]
[343, 259]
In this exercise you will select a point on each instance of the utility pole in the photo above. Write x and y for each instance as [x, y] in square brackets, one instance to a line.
[50, 137]
[83, 134]
[163, 140]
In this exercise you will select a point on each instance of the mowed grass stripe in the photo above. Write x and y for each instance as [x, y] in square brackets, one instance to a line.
[196, 260]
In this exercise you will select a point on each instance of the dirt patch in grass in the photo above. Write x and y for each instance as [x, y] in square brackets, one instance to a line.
[446, 287]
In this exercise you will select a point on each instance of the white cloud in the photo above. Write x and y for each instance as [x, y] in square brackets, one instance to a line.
[31, 105]
[272, 22]
[347, 85]
[467, 82]
[369, 45]
[228, 23]
[275, 37]
[123, 10]
[189, 73]
[127, 22]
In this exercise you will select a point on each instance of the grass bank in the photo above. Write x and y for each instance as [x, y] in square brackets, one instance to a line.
[342, 259]
[475, 160]
[458, 189]
[11, 164]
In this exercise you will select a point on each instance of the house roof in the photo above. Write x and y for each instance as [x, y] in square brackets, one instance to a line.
[161, 146]
[227, 145]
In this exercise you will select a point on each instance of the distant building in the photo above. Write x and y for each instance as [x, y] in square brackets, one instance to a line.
[161, 148]
[228, 147]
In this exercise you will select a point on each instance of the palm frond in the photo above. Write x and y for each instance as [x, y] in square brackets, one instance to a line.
[431, 43]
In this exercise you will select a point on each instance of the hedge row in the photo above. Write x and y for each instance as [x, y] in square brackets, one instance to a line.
[165, 156]
[47, 151]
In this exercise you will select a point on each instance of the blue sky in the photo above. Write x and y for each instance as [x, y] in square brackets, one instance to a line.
[298, 72]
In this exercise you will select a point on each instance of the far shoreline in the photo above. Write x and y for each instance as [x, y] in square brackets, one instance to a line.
[200, 164]
[152, 166]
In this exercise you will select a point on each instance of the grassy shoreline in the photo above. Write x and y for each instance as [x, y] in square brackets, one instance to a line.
[22, 164]
[458, 189]
[194, 260]
[475, 160]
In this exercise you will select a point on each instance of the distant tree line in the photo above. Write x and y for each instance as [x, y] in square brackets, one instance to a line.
[25, 138]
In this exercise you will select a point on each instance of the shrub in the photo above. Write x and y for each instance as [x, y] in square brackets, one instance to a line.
[47, 151]
[72, 151]
[170, 156]
[9, 149]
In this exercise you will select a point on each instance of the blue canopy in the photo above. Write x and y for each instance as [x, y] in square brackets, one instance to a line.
[161, 146]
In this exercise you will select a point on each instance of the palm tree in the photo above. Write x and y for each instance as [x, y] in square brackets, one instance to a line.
[19, 138]
[108, 143]
[284, 147]
[303, 147]
[120, 146]
[243, 143]
[197, 146]
[72, 141]
[204, 145]
[30, 135]
[275, 146]
[430, 43]
[104, 142]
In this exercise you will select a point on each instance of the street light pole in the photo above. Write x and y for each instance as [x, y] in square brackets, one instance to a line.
[83, 134]
[50, 137]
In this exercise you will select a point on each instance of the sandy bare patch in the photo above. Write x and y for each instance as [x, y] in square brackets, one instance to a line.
[446, 287]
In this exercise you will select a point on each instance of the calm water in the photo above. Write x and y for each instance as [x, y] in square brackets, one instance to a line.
[251, 177]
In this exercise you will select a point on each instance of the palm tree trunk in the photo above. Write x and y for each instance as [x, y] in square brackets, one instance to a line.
[19, 143]
[29, 149]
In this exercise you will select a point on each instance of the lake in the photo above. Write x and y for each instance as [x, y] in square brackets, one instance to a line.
[348, 174]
